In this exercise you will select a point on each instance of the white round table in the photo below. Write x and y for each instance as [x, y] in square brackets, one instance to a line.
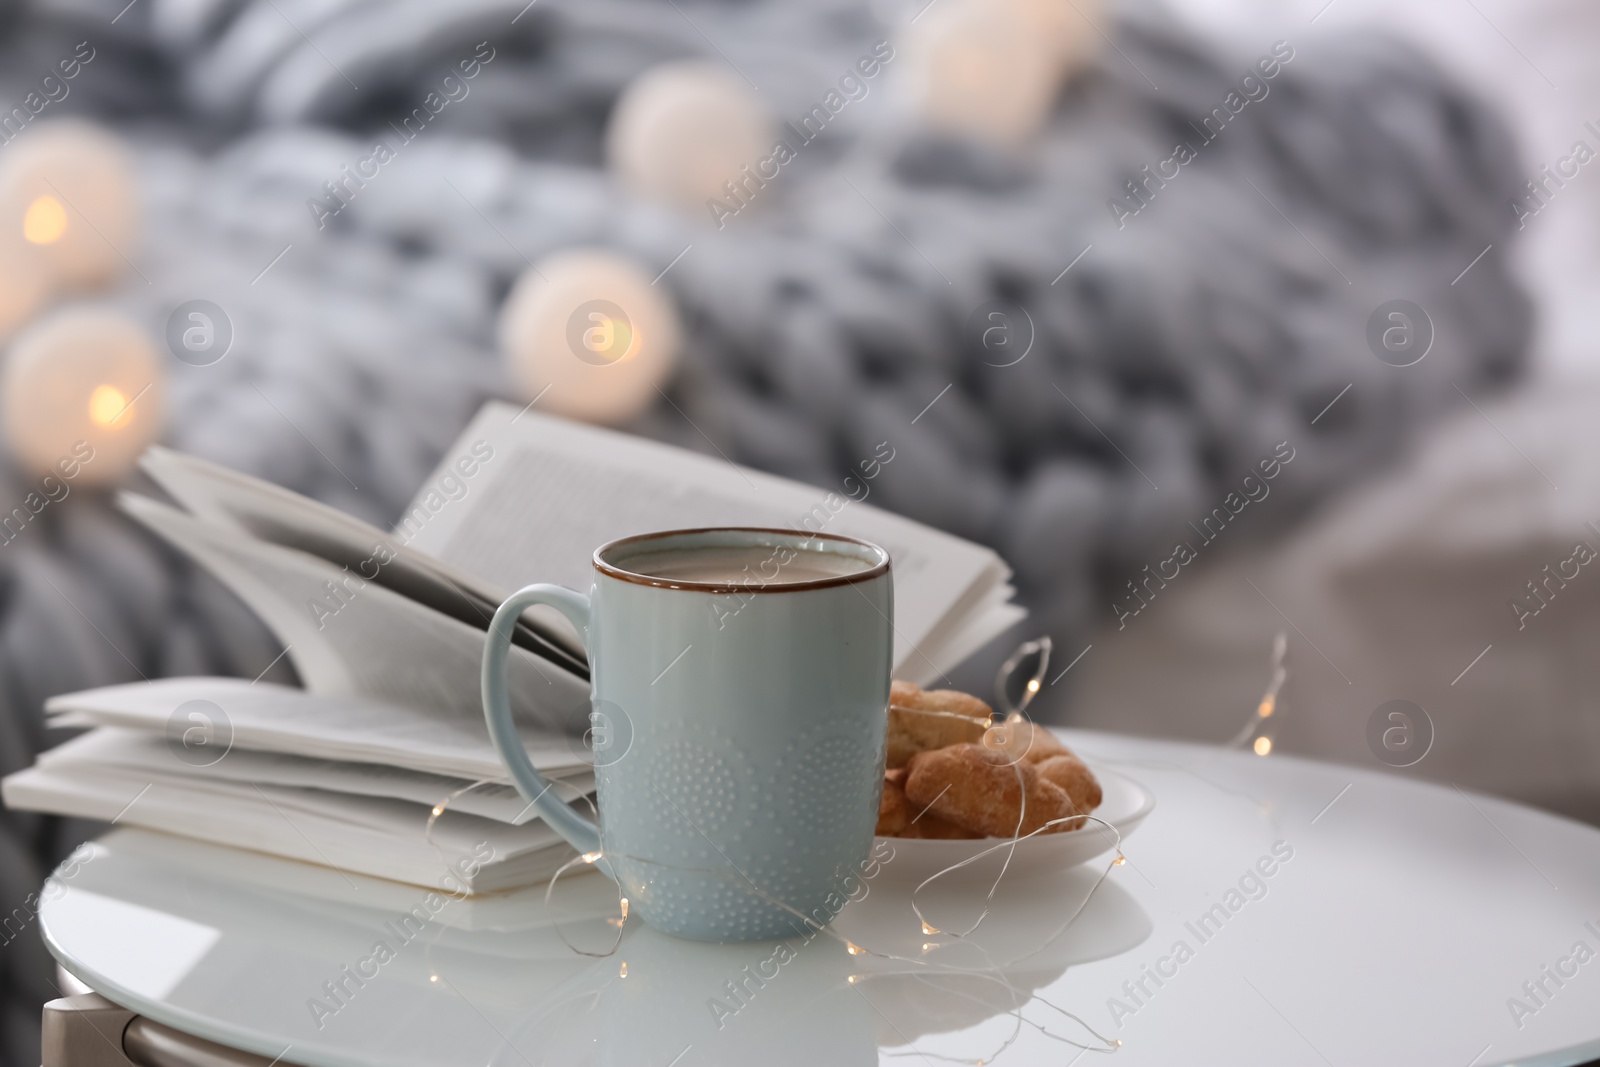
[1272, 911]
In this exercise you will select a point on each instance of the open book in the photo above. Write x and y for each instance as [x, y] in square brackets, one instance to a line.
[386, 630]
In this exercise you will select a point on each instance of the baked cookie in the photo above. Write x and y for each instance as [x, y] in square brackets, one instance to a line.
[1074, 778]
[931, 827]
[1023, 742]
[981, 790]
[894, 814]
[897, 817]
[924, 719]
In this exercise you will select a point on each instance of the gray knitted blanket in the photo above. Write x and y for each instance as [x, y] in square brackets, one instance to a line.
[1181, 313]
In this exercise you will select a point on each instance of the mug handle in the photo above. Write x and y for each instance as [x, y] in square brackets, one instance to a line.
[580, 832]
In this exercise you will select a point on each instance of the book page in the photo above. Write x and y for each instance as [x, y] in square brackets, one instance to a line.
[147, 753]
[580, 894]
[365, 835]
[988, 624]
[352, 637]
[270, 513]
[555, 490]
[276, 718]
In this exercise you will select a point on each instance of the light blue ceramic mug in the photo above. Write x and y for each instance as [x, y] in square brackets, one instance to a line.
[739, 694]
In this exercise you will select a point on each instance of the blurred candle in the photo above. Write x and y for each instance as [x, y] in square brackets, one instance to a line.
[82, 376]
[586, 333]
[67, 190]
[980, 69]
[684, 133]
[23, 287]
[1073, 29]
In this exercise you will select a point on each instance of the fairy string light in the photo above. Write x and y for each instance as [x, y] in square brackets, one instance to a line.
[812, 927]
[1017, 1001]
[1260, 728]
[1030, 662]
[1038, 651]
[587, 859]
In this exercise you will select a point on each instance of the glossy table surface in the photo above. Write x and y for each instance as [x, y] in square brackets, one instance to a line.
[1271, 911]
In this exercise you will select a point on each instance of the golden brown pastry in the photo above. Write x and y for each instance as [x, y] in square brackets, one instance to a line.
[897, 817]
[1075, 779]
[1023, 742]
[921, 720]
[943, 700]
[982, 790]
[904, 692]
[931, 827]
[953, 775]
[894, 813]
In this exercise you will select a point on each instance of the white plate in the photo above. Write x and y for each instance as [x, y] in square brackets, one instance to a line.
[1124, 804]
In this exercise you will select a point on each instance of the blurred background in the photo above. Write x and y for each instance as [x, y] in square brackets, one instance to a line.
[1217, 318]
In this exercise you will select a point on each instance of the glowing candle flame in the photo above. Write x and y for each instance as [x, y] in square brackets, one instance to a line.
[107, 406]
[45, 221]
[87, 375]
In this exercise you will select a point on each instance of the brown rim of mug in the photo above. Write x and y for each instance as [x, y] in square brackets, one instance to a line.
[611, 570]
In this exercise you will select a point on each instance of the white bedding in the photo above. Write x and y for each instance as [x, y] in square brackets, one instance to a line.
[1391, 592]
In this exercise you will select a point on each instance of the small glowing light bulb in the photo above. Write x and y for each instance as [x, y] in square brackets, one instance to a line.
[1263, 745]
[851, 979]
[586, 335]
[1033, 685]
[45, 221]
[1120, 860]
[107, 406]
[84, 391]
[622, 972]
[687, 133]
[590, 857]
[70, 190]
[1269, 704]
[979, 70]
[624, 903]
[853, 948]
[928, 929]
[438, 810]
[433, 978]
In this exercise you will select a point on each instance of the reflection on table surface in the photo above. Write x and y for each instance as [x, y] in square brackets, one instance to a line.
[298, 954]
[1251, 919]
